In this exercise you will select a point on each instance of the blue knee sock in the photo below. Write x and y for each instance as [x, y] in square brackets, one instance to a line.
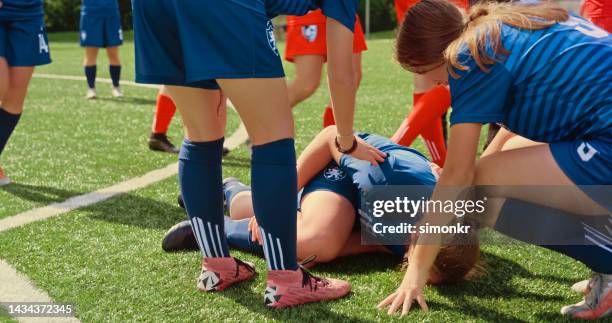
[274, 182]
[115, 74]
[238, 236]
[201, 186]
[90, 73]
[233, 187]
[564, 232]
[8, 122]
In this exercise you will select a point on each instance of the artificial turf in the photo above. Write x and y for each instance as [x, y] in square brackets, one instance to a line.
[106, 258]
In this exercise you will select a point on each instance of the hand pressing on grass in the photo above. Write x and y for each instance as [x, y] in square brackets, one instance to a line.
[410, 290]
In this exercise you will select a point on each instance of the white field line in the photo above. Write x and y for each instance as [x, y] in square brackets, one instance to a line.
[82, 78]
[80, 201]
[17, 288]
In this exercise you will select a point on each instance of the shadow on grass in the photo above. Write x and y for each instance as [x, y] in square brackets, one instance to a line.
[316, 312]
[132, 210]
[130, 100]
[496, 283]
[126, 209]
[39, 193]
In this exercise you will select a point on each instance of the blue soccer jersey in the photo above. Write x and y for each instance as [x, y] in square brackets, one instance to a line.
[20, 9]
[100, 7]
[553, 86]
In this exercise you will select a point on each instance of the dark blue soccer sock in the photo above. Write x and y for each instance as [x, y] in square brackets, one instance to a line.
[115, 74]
[201, 186]
[90, 73]
[274, 182]
[239, 237]
[8, 122]
[570, 234]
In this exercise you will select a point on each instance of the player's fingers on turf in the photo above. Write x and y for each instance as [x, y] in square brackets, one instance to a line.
[387, 300]
[421, 300]
[407, 304]
[397, 302]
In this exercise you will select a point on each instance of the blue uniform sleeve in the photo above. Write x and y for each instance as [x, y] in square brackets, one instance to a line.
[479, 97]
[288, 7]
[344, 11]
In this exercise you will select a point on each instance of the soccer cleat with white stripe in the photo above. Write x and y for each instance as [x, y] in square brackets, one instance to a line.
[597, 302]
[286, 288]
[220, 273]
[4, 180]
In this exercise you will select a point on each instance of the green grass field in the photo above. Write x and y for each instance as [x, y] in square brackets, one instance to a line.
[106, 258]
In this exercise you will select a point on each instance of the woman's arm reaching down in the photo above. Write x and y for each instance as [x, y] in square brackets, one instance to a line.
[458, 173]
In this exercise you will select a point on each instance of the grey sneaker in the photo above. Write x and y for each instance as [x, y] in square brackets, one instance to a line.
[597, 302]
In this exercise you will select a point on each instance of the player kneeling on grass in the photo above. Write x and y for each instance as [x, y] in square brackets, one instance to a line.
[23, 45]
[332, 185]
[541, 73]
[101, 28]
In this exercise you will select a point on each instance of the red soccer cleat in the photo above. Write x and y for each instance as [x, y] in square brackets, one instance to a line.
[287, 288]
[220, 273]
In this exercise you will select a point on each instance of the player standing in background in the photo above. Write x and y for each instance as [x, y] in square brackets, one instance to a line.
[598, 12]
[101, 28]
[430, 102]
[543, 74]
[197, 48]
[23, 45]
[164, 112]
[307, 49]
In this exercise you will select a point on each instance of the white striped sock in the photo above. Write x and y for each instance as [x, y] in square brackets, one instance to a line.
[212, 239]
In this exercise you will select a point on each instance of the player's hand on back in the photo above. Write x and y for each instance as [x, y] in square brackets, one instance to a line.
[367, 152]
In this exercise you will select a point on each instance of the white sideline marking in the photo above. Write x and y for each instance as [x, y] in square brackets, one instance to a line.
[82, 78]
[80, 201]
[16, 287]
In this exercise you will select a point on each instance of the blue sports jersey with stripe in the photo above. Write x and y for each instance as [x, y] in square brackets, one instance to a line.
[20, 9]
[100, 7]
[553, 86]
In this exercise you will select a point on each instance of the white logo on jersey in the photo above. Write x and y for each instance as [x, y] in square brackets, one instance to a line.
[310, 32]
[42, 43]
[334, 174]
[271, 37]
[120, 34]
[83, 35]
[586, 151]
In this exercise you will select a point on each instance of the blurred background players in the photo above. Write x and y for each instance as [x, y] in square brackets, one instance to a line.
[101, 28]
[307, 49]
[23, 45]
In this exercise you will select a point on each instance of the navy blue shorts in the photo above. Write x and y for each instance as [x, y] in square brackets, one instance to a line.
[24, 42]
[335, 180]
[193, 43]
[587, 163]
[101, 31]
[343, 11]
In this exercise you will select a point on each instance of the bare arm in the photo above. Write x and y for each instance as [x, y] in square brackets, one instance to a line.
[496, 145]
[341, 76]
[458, 172]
